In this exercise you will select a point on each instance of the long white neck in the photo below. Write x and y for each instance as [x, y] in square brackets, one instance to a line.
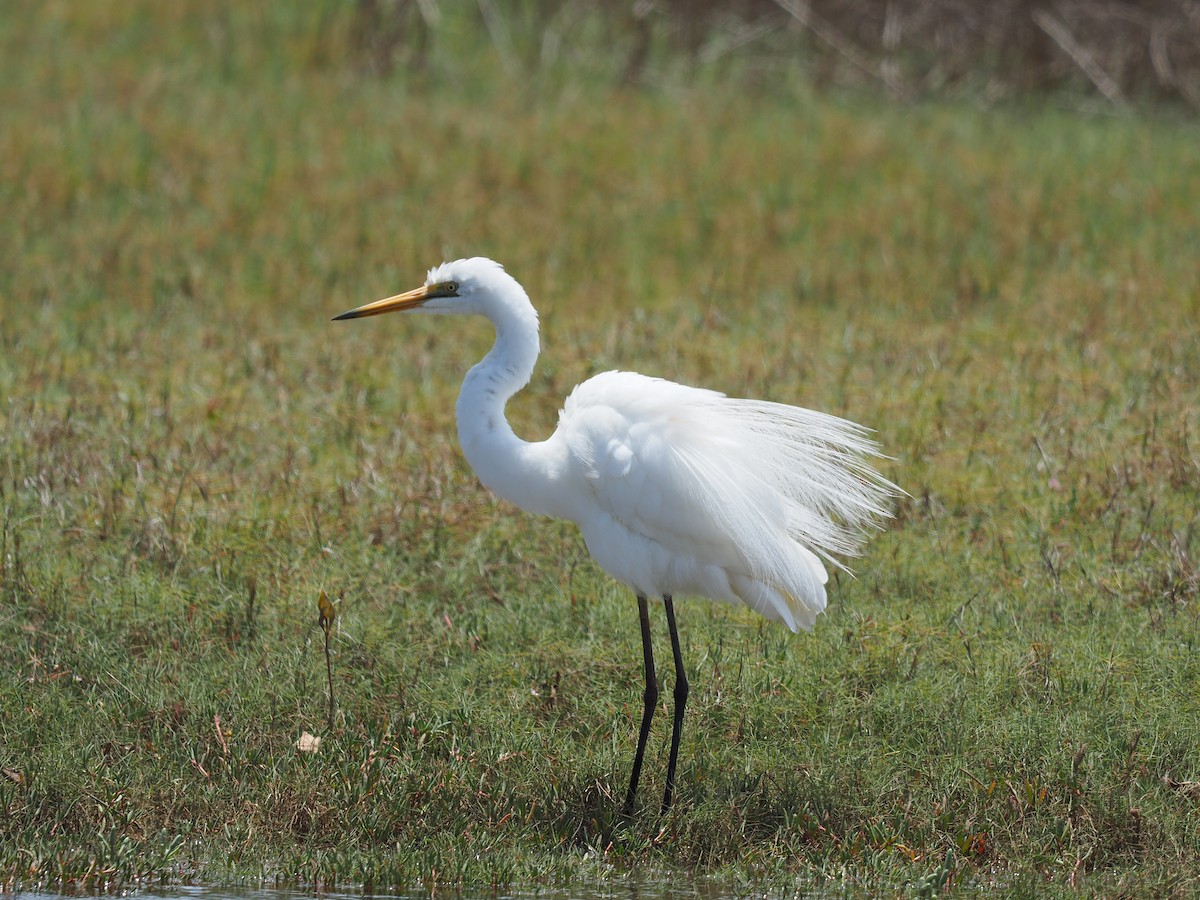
[519, 471]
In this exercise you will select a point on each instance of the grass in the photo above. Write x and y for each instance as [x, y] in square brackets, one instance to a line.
[190, 452]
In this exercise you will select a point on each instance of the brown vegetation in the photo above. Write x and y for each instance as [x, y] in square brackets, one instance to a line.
[1119, 52]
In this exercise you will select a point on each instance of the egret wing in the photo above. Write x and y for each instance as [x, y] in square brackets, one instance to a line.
[636, 441]
[755, 488]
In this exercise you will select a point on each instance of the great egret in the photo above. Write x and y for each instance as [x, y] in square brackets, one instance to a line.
[677, 490]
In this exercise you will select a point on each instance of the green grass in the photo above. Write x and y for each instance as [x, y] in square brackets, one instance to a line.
[1005, 696]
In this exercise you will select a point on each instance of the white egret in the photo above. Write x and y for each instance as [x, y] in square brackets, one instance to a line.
[677, 490]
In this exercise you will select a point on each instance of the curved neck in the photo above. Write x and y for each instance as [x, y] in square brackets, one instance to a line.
[503, 462]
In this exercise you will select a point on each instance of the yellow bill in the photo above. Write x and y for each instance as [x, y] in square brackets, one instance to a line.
[407, 300]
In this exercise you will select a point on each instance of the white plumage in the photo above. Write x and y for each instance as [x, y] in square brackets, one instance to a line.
[692, 493]
[677, 490]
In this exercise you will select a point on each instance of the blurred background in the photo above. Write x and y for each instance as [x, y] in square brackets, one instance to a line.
[413, 131]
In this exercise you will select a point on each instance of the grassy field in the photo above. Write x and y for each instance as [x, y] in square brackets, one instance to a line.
[1007, 695]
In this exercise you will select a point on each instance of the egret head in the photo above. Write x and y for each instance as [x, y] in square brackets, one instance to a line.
[461, 287]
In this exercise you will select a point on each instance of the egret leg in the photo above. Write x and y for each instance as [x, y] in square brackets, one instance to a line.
[681, 695]
[649, 699]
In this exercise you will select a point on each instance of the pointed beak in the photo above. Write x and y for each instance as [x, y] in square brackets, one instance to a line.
[408, 300]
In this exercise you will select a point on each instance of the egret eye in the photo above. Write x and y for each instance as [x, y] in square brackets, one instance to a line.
[451, 287]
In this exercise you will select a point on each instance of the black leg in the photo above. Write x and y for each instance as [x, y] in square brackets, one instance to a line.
[681, 695]
[649, 699]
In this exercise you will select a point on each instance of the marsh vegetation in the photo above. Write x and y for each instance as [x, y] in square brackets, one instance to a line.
[1005, 694]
